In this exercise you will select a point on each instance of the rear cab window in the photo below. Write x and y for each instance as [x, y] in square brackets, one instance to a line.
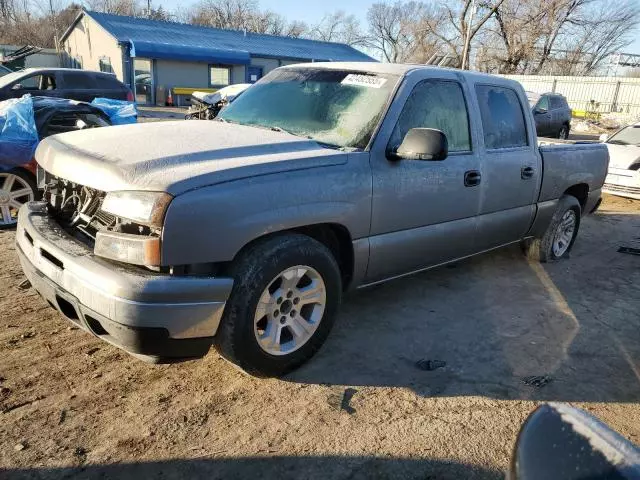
[502, 116]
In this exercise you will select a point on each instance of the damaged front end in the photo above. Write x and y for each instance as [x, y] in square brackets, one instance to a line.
[121, 226]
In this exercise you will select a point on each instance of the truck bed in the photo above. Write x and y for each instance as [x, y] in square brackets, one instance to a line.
[587, 162]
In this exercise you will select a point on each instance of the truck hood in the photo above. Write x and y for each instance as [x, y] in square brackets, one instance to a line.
[177, 156]
[622, 156]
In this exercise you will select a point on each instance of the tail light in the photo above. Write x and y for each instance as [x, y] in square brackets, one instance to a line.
[130, 95]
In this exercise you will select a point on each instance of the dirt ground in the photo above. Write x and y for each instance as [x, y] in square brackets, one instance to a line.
[75, 408]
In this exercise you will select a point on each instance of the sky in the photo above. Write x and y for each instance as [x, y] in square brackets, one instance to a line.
[311, 11]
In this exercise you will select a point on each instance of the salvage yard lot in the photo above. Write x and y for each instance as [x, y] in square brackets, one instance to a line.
[75, 407]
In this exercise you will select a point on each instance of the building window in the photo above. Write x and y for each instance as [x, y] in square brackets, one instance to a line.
[105, 65]
[219, 76]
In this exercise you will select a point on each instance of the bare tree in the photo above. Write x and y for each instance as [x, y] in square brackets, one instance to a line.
[556, 36]
[599, 32]
[242, 15]
[402, 31]
[132, 8]
[339, 27]
[465, 25]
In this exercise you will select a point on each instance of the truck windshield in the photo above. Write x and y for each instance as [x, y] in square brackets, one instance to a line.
[334, 107]
[627, 136]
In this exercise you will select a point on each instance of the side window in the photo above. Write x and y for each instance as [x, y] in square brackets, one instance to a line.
[38, 82]
[502, 117]
[107, 82]
[436, 104]
[79, 80]
[543, 104]
[30, 83]
[105, 64]
[219, 76]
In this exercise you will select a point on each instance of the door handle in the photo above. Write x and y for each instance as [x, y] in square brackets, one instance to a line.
[527, 172]
[472, 178]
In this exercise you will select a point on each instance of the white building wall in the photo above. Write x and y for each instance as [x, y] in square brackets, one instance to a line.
[88, 42]
[267, 64]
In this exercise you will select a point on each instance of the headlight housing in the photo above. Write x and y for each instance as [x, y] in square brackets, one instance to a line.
[146, 208]
[136, 240]
[127, 248]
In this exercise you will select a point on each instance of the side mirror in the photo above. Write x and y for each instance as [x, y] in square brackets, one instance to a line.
[560, 441]
[604, 137]
[17, 86]
[539, 111]
[422, 144]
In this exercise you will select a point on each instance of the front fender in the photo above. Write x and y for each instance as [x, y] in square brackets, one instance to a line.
[212, 224]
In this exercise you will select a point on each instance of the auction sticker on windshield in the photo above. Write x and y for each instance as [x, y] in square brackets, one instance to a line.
[363, 80]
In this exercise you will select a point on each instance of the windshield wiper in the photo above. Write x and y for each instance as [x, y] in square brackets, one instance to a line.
[280, 129]
[308, 137]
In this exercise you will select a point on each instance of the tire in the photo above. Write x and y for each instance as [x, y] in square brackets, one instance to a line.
[563, 133]
[542, 249]
[19, 180]
[255, 271]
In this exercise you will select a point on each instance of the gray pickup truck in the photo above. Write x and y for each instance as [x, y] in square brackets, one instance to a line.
[244, 232]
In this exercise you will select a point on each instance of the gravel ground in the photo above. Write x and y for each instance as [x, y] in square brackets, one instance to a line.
[76, 408]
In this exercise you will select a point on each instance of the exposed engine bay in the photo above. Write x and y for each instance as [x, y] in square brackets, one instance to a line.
[78, 209]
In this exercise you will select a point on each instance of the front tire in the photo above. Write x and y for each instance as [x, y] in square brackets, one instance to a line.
[286, 293]
[17, 187]
[558, 239]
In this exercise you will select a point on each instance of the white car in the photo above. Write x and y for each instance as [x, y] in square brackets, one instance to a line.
[623, 178]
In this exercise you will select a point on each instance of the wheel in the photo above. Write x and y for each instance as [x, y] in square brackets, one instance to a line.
[563, 134]
[286, 292]
[560, 235]
[17, 187]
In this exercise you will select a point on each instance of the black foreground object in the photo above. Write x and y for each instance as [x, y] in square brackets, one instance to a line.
[558, 441]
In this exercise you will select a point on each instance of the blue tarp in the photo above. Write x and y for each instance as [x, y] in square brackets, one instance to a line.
[120, 112]
[18, 132]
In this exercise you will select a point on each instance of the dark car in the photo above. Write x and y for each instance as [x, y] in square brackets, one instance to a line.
[82, 85]
[551, 113]
[51, 115]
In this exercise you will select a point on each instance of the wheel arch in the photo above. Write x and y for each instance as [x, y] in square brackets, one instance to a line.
[580, 192]
[335, 236]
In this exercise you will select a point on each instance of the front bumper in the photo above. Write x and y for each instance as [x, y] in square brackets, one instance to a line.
[623, 182]
[152, 315]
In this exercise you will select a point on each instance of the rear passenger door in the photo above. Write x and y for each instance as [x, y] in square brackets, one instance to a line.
[511, 169]
[424, 212]
[79, 85]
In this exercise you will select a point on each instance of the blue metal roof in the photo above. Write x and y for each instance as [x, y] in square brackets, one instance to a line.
[158, 39]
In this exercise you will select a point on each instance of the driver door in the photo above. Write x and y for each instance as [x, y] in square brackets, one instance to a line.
[424, 212]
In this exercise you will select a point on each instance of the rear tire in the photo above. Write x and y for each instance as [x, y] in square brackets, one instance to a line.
[558, 239]
[244, 336]
[563, 134]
